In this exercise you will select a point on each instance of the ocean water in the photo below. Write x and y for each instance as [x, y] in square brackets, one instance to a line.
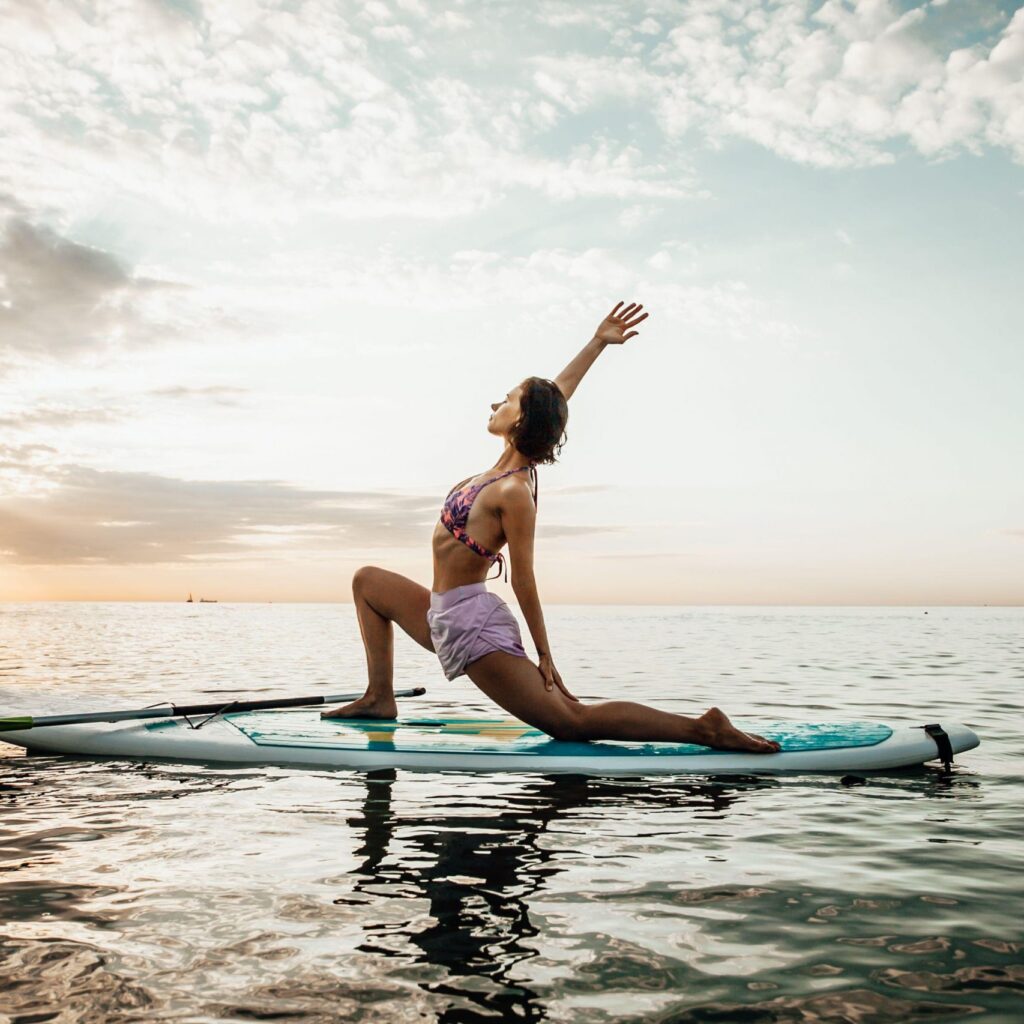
[188, 893]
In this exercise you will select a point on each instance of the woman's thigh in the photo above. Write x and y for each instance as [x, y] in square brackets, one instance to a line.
[397, 598]
[516, 685]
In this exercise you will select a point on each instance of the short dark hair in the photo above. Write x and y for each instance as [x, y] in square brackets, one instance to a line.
[539, 433]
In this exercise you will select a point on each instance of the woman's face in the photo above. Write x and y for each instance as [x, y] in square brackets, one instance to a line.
[505, 413]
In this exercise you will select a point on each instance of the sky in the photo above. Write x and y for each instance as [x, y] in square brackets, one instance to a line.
[264, 265]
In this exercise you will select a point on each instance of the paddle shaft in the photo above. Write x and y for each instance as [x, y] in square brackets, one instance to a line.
[177, 711]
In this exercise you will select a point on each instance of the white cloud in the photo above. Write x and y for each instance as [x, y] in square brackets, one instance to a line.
[60, 298]
[575, 281]
[416, 7]
[830, 84]
[217, 393]
[75, 514]
[376, 11]
[600, 169]
[577, 81]
[839, 88]
[453, 21]
[257, 112]
[262, 113]
[393, 33]
[55, 416]
[637, 214]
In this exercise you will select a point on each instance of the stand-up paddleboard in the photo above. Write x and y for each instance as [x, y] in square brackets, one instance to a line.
[301, 737]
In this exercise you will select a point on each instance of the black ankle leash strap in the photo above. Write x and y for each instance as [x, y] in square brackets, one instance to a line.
[938, 734]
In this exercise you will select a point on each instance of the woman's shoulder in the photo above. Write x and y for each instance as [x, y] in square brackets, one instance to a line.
[513, 491]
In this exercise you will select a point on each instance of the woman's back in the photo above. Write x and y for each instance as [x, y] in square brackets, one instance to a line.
[468, 535]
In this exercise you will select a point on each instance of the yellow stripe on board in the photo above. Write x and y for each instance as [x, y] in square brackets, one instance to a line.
[489, 727]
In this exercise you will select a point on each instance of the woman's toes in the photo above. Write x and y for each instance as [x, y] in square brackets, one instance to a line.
[765, 744]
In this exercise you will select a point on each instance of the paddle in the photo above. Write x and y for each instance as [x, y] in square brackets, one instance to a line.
[175, 711]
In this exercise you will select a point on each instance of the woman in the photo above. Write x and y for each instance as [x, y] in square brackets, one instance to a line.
[472, 630]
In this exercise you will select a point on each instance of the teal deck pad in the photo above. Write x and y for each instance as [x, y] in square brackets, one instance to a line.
[466, 735]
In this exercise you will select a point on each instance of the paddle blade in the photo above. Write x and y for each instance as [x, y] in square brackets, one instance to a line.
[10, 724]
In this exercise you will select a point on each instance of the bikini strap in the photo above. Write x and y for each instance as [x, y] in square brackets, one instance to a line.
[501, 563]
[501, 476]
[500, 559]
[477, 488]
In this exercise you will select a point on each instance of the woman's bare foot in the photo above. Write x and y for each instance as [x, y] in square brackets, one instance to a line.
[365, 707]
[723, 735]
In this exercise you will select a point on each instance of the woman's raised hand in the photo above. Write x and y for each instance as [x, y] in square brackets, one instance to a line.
[613, 328]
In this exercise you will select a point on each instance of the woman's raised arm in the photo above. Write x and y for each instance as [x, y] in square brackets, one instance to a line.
[611, 331]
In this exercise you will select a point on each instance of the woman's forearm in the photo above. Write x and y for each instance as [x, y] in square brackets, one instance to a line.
[568, 380]
[529, 605]
[615, 329]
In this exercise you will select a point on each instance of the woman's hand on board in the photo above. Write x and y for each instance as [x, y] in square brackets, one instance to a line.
[614, 327]
[552, 677]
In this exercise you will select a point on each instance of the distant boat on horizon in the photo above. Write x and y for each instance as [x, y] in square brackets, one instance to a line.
[207, 600]
[189, 601]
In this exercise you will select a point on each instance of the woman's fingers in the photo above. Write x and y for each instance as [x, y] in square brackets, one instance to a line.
[553, 679]
[564, 690]
[633, 323]
[632, 310]
[562, 686]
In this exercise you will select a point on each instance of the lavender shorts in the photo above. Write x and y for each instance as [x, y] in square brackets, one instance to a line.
[468, 622]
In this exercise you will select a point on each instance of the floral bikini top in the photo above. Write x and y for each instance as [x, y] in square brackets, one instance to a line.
[455, 515]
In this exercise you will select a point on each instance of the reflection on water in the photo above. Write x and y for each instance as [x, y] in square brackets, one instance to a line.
[479, 873]
[476, 874]
[173, 892]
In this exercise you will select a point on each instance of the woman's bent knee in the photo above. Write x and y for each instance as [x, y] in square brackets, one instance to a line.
[362, 577]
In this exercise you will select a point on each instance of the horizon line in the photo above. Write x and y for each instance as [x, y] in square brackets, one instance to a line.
[597, 604]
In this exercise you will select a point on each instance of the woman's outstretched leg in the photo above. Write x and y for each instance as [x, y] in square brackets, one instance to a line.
[517, 685]
[382, 598]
